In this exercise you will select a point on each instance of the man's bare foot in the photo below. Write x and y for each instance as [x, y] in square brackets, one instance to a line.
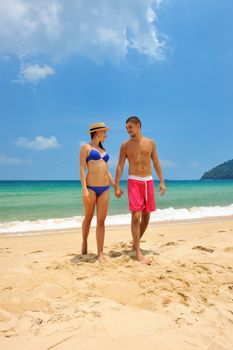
[84, 248]
[132, 246]
[143, 260]
[102, 258]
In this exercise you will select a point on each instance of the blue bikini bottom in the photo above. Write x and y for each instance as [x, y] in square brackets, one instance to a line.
[98, 189]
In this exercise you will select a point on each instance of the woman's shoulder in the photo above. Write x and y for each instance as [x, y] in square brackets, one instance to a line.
[86, 146]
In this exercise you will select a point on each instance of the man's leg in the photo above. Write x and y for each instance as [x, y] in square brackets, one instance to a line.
[145, 218]
[135, 229]
[149, 206]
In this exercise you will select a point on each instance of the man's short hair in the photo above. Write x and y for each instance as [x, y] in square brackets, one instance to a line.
[134, 119]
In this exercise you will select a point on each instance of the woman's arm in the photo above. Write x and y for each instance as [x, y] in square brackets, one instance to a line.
[111, 179]
[83, 165]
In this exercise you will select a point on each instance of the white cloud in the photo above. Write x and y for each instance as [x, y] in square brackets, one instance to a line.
[4, 160]
[150, 14]
[168, 163]
[34, 73]
[40, 143]
[102, 30]
[158, 2]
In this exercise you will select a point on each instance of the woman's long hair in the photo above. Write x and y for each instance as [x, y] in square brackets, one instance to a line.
[100, 144]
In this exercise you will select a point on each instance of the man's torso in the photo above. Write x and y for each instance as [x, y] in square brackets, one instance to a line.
[138, 153]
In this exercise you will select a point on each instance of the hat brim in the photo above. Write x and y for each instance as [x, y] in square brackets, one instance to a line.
[100, 129]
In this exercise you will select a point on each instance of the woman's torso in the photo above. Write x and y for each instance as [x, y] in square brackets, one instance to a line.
[97, 167]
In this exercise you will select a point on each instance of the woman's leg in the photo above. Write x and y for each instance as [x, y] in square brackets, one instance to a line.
[89, 207]
[102, 210]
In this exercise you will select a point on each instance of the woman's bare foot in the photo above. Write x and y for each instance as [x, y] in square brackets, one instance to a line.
[84, 248]
[102, 258]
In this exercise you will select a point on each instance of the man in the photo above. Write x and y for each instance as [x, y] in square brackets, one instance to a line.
[139, 151]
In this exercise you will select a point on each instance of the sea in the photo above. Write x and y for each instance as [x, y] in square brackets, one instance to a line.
[30, 207]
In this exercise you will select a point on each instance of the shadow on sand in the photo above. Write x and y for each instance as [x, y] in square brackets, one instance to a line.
[130, 253]
[88, 258]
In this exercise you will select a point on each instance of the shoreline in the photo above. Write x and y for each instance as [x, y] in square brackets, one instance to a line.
[119, 226]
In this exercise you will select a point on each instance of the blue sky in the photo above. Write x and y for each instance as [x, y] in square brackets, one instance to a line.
[67, 64]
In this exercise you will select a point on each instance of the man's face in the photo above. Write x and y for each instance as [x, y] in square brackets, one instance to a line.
[132, 128]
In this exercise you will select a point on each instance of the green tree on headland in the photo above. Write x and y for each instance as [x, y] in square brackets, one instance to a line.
[223, 171]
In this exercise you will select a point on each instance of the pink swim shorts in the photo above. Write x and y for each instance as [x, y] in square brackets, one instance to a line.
[141, 193]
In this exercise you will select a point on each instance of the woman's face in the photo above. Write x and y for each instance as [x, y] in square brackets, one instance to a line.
[102, 135]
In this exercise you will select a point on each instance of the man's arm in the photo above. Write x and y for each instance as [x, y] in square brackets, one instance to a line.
[119, 169]
[158, 169]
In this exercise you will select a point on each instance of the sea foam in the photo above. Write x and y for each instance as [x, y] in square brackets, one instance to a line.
[160, 215]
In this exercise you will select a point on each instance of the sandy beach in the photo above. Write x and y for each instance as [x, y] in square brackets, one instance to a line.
[54, 298]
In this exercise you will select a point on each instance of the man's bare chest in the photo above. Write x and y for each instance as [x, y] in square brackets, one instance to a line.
[136, 151]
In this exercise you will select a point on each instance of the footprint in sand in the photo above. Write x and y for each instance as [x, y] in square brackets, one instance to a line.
[3, 288]
[169, 244]
[204, 249]
[89, 258]
[222, 231]
[69, 254]
[125, 245]
[182, 322]
[55, 267]
[50, 289]
[5, 250]
[228, 249]
[34, 252]
[113, 254]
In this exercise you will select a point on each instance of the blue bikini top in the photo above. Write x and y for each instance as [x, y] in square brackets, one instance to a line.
[95, 155]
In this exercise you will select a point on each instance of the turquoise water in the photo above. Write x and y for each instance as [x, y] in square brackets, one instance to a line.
[33, 200]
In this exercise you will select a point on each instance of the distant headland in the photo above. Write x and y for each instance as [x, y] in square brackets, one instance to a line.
[223, 171]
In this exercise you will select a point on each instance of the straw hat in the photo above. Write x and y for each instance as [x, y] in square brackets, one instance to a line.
[97, 127]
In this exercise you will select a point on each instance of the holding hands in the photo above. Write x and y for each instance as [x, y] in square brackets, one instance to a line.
[118, 192]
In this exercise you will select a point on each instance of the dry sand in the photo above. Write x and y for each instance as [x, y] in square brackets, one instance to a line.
[51, 297]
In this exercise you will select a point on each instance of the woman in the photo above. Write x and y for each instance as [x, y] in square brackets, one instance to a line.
[95, 185]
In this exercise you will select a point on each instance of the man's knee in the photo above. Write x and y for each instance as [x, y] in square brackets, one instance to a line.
[136, 218]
